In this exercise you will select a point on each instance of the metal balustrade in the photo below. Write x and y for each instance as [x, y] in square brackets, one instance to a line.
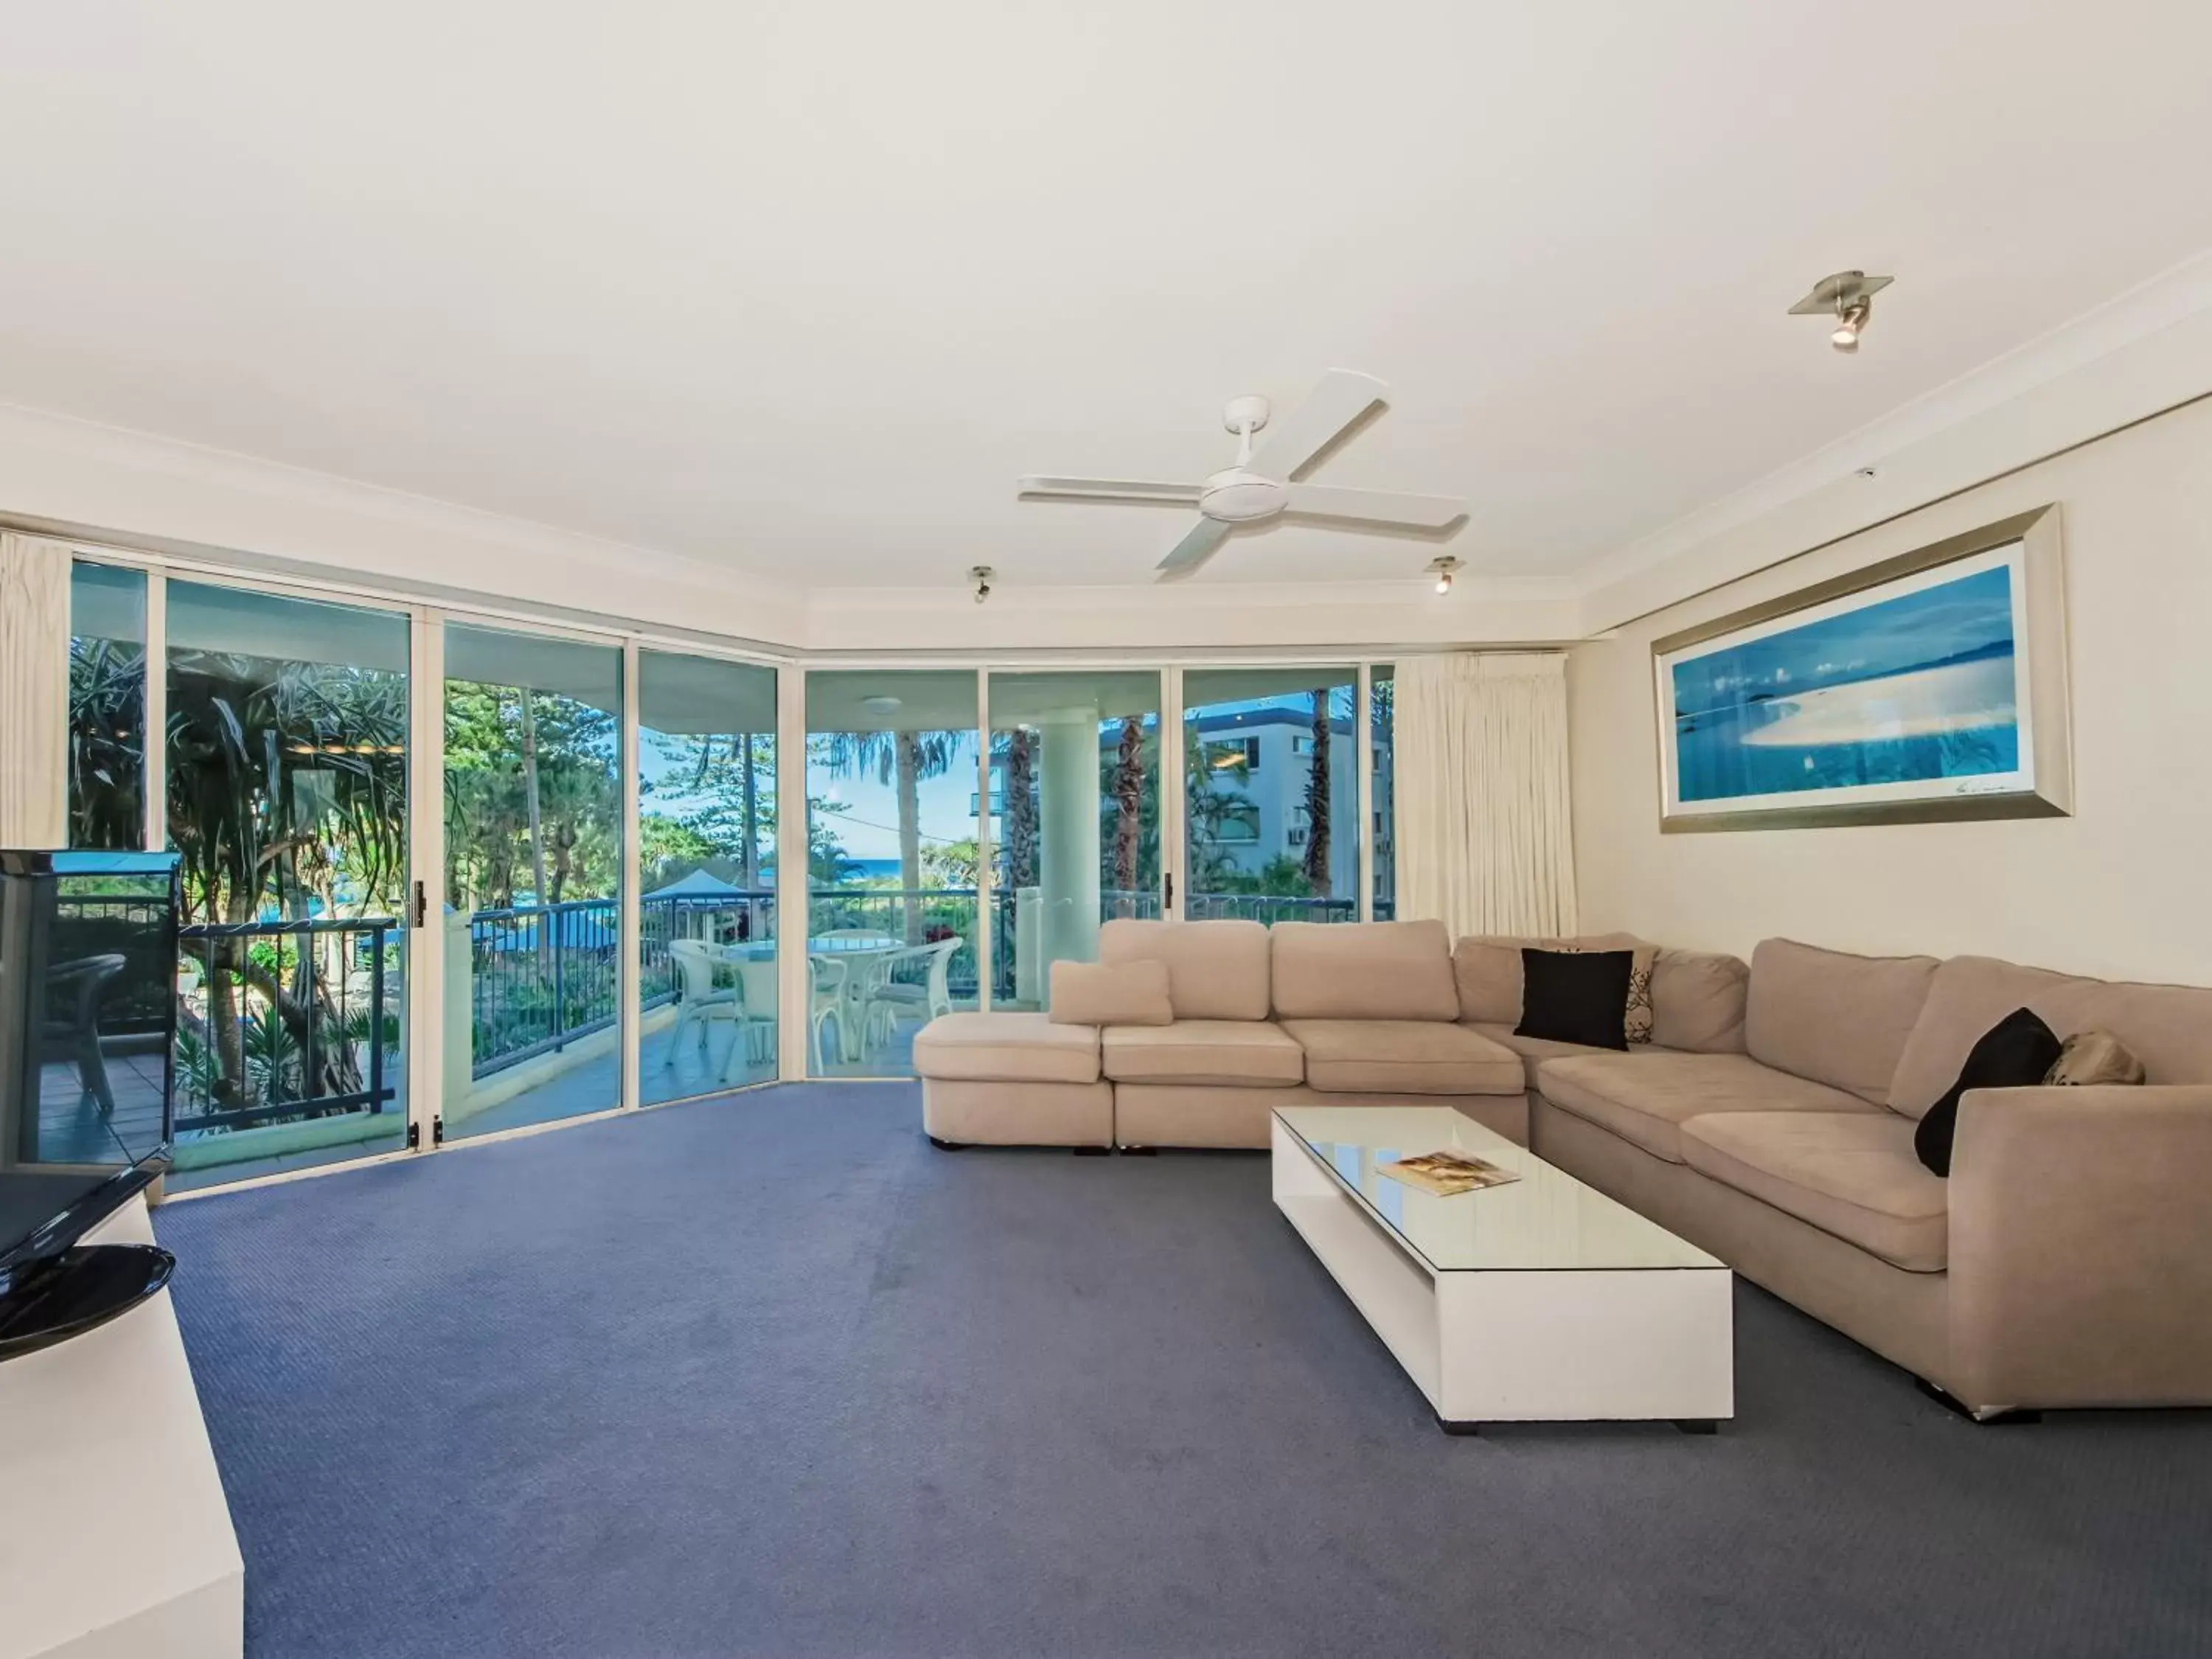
[287, 1020]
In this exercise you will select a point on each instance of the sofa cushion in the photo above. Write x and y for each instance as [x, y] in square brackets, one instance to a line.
[1216, 970]
[1835, 1017]
[1363, 970]
[1250, 1054]
[1404, 1056]
[1698, 1001]
[1005, 1048]
[2169, 1027]
[1486, 970]
[1851, 1174]
[1110, 993]
[1646, 1098]
[1534, 1051]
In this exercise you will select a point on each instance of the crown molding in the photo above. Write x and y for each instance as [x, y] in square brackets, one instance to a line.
[131, 489]
[2144, 352]
[1186, 615]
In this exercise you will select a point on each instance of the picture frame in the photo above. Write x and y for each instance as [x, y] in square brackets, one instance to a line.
[1928, 688]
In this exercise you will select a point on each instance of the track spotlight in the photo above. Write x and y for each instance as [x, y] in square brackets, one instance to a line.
[1848, 296]
[1849, 321]
[980, 574]
[1443, 570]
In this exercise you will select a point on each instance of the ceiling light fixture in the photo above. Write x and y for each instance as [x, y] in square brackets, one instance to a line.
[980, 574]
[1443, 569]
[1848, 296]
[880, 705]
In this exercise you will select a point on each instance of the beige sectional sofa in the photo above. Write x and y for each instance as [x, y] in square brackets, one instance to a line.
[2066, 1262]
[1364, 1014]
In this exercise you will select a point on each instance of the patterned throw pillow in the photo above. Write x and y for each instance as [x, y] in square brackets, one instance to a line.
[1639, 995]
[2092, 1057]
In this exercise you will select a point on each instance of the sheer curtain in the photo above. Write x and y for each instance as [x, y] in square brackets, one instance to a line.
[1480, 758]
[34, 642]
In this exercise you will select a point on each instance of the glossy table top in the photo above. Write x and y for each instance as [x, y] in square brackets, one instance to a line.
[1546, 1221]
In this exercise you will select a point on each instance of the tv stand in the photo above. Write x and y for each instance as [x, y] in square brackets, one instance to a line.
[85, 1286]
[133, 1551]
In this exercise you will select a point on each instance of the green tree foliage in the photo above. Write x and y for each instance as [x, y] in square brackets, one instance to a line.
[502, 745]
[286, 792]
[106, 744]
[716, 794]
[901, 759]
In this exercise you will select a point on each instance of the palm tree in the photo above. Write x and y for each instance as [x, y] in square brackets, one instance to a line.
[1128, 800]
[107, 739]
[284, 778]
[1317, 799]
[903, 758]
[1213, 797]
[1017, 755]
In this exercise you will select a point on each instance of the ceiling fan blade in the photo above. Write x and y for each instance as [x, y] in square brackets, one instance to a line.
[1195, 549]
[1375, 505]
[1120, 489]
[1288, 444]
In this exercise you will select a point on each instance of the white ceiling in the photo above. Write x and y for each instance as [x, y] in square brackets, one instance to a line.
[800, 290]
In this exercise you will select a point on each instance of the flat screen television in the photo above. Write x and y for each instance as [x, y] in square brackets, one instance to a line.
[88, 1021]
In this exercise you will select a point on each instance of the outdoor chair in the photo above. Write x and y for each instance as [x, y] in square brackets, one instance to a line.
[825, 979]
[757, 992]
[922, 999]
[702, 1001]
[71, 1027]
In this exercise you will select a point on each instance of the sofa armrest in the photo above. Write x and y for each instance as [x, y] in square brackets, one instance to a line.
[2080, 1247]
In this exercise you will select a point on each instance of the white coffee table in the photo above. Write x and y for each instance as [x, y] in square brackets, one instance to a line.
[1542, 1300]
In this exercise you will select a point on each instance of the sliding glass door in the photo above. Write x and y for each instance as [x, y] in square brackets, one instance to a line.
[108, 708]
[707, 932]
[1075, 819]
[1270, 793]
[945, 868]
[891, 772]
[533, 878]
[287, 743]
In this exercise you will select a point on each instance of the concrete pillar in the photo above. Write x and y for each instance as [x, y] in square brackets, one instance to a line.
[1067, 856]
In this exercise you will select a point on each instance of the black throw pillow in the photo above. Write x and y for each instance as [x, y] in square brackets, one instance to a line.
[1576, 996]
[2015, 1053]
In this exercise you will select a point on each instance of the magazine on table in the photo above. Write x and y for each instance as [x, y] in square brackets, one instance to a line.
[1448, 1173]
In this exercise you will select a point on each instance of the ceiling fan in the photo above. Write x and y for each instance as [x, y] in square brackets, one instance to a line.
[1259, 486]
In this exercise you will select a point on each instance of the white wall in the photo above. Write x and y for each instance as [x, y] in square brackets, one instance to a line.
[2123, 888]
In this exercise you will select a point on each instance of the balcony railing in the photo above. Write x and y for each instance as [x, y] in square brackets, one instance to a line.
[544, 975]
[290, 1020]
[286, 1020]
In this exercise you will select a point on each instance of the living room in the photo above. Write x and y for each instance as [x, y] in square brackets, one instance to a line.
[765, 890]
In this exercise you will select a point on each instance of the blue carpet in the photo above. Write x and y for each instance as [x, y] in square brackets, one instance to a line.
[767, 1375]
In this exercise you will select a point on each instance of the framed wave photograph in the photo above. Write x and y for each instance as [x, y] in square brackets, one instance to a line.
[1931, 686]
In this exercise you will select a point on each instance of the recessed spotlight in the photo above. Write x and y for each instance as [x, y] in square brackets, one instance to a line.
[1443, 569]
[980, 574]
[1848, 296]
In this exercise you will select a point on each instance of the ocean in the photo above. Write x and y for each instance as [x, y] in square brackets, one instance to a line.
[1913, 690]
